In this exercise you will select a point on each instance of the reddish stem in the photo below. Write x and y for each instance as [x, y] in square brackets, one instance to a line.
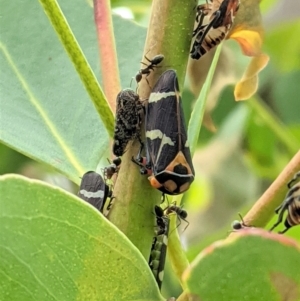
[107, 51]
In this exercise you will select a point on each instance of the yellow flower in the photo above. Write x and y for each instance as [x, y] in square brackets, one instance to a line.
[248, 32]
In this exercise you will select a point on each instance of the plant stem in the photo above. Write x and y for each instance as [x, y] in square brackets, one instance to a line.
[176, 253]
[263, 209]
[81, 65]
[169, 33]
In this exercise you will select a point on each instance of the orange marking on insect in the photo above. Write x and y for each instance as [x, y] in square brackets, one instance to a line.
[179, 160]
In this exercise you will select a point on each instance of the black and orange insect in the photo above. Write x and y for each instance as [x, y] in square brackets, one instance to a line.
[213, 22]
[168, 155]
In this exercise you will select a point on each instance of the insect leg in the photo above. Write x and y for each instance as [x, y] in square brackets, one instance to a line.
[138, 160]
[209, 26]
[293, 180]
[286, 228]
[281, 209]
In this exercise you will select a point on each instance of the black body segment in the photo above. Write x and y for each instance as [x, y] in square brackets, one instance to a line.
[167, 151]
[214, 19]
[291, 204]
[129, 114]
[159, 246]
[93, 190]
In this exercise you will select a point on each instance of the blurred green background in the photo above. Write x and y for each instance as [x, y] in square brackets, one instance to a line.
[236, 163]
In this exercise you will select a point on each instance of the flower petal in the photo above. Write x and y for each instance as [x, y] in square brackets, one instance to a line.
[250, 41]
[247, 28]
[247, 86]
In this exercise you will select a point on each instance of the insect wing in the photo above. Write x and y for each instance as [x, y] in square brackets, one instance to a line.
[202, 17]
[205, 42]
[160, 110]
[214, 27]
[165, 125]
[167, 151]
[93, 190]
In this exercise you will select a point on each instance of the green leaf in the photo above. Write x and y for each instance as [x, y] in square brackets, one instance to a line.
[250, 265]
[55, 246]
[269, 119]
[130, 44]
[66, 36]
[11, 161]
[262, 145]
[46, 113]
[285, 96]
[284, 55]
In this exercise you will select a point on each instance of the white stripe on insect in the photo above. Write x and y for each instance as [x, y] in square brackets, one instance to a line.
[154, 134]
[155, 97]
[91, 194]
